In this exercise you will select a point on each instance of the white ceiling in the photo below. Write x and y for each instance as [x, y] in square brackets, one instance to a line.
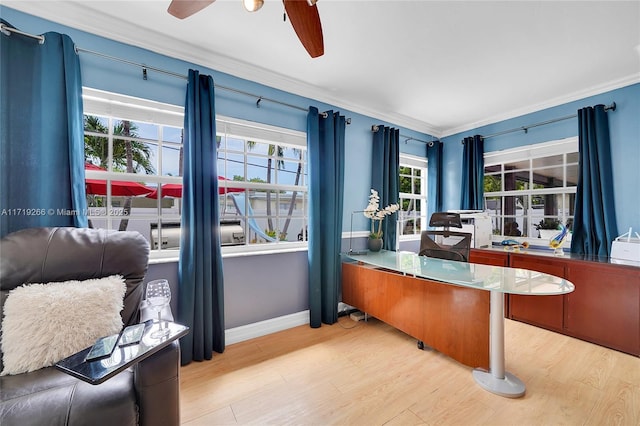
[438, 67]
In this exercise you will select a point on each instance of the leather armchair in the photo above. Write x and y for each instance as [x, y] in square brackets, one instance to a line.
[147, 394]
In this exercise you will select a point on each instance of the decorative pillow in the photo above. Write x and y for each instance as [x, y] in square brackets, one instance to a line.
[45, 323]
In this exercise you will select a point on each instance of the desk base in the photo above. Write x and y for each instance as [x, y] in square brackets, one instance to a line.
[510, 386]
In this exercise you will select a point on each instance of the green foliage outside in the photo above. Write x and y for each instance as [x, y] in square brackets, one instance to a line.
[96, 149]
[128, 155]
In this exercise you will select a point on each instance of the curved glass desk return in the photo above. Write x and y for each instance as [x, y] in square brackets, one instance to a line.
[496, 279]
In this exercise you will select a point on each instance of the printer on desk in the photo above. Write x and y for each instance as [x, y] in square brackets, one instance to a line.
[478, 224]
[626, 247]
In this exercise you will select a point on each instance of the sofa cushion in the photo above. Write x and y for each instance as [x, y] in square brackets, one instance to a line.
[44, 323]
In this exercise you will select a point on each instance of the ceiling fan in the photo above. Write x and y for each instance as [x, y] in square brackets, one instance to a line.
[303, 15]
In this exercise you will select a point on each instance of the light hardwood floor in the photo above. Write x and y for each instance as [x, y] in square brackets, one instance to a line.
[371, 374]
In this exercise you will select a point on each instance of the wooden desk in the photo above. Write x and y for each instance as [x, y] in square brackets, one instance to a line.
[453, 320]
[603, 309]
[457, 308]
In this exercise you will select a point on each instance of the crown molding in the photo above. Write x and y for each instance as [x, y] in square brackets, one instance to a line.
[571, 97]
[78, 16]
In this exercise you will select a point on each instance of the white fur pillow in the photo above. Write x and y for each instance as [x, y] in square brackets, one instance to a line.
[45, 323]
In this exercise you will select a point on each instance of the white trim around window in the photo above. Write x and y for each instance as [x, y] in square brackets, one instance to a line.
[122, 107]
[556, 160]
[415, 162]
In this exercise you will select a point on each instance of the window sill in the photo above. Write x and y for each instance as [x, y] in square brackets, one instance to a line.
[173, 256]
[415, 237]
[163, 256]
[263, 249]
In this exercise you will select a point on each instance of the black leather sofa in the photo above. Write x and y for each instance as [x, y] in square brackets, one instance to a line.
[147, 394]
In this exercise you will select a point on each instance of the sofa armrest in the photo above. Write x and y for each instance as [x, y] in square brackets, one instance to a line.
[157, 383]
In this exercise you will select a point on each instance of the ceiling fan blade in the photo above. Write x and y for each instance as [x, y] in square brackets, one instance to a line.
[184, 8]
[306, 23]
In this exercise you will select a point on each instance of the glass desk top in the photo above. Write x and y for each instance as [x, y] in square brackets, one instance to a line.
[96, 372]
[474, 275]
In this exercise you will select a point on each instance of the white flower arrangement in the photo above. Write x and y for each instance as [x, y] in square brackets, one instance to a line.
[373, 212]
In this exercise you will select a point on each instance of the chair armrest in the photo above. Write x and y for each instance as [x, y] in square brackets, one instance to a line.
[157, 383]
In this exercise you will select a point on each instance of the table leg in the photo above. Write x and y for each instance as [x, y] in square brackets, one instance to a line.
[496, 380]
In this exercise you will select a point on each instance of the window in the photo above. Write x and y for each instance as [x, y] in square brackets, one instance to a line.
[133, 162]
[132, 150]
[263, 181]
[413, 195]
[530, 189]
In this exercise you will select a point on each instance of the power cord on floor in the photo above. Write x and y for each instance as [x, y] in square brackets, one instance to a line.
[342, 325]
[347, 314]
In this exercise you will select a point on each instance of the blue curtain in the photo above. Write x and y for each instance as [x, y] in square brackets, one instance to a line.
[385, 178]
[325, 143]
[41, 134]
[434, 178]
[472, 174]
[201, 296]
[594, 225]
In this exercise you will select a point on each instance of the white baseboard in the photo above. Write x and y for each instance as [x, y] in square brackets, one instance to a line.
[262, 328]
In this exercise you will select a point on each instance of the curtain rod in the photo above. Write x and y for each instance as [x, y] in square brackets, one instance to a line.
[184, 77]
[8, 30]
[543, 123]
[375, 128]
[411, 138]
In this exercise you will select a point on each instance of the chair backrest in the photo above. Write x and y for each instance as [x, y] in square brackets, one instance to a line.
[41, 255]
[445, 220]
[447, 245]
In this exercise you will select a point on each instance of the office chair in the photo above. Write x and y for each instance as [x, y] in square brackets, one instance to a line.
[445, 244]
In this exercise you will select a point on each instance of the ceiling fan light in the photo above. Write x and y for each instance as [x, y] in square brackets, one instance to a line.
[252, 5]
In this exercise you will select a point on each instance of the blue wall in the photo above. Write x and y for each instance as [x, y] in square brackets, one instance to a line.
[258, 287]
[103, 74]
[624, 131]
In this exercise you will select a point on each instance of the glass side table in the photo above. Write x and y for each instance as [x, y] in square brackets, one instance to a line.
[123, 357]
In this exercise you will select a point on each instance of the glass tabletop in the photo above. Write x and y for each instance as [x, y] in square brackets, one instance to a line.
[474, 275]
[97, 371]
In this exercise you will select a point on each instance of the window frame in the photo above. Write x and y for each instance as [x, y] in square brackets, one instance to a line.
[114, 106]
[530, 153]
[421, 163]
[264, 133]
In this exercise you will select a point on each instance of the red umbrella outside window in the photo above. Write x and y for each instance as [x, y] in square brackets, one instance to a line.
[118, 188]
[175, 189]
[168, 190]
